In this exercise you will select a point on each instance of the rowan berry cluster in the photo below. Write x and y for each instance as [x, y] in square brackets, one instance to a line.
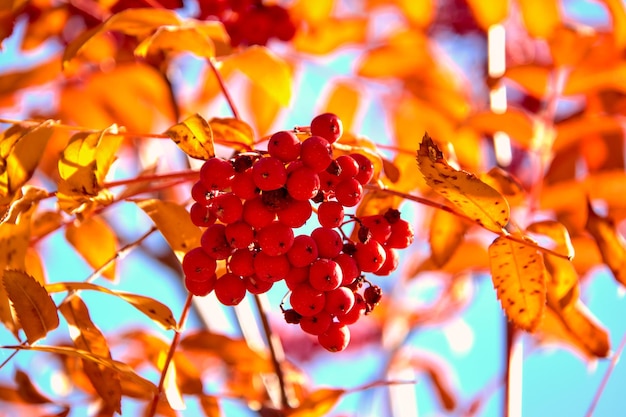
[250, 22]
[251, 208]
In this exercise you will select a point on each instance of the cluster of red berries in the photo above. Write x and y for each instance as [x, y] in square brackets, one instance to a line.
[250, 22]
[249, 207]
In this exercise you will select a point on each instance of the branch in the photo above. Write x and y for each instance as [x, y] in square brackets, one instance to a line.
[227, 95]
[607, 375]
[57, 124]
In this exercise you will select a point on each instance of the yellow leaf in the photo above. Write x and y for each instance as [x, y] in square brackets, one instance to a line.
[232, 132]
[174, 223]
[125, 371]
[344, 102]
[318, 403]
[88, 337]
[33, 306]
[20, 150]
[152, 308]
[477, 200]
[46, 222]
[541, 17]
[583, 80]
[533, 78]
[312, 11]
[333, 33]
[83, 235]
[517, 272]
[572, 131]
[263, 109]
[557, 232]
[470, 255]
[11, 82]
[516, 123]
[87, 158]
[618, 17]
[610, 242]
[489, 12]
[195, 37]
[419, 13]
[134, 22]
[609, 186]
[446, 233]
[506, 184]
[265, 69]
[33, 265]
[408, 50]
[194, 136]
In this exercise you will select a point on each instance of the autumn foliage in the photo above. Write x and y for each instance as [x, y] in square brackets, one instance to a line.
[509, 169]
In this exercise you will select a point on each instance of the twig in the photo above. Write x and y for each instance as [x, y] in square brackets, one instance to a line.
[59, 125]
[155, 177]
[227, 95]
[170, 355]
[606, 377]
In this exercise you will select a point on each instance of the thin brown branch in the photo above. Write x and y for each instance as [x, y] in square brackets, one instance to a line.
[227, 95]
[191, 174]
[605, 379]
[73, 128]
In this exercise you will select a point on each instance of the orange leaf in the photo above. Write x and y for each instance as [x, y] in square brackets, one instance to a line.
[174, 223]
[477, 200]
[263, 108]
[11, 82]
[541, 17]
[332, 33]
[152, 308]
[506, 184]
[265, 69]
[232, 132]
[318, 403]
[609, 186]
[470, 255]
[20, 151]
[446, 233]
[583, 80]
[408, 50]
[515, 123]
[33, 265]
[27, 389]
[610, 242]
[533, 78]
[518, 272]
[88, 337]
[344, 102]
[488, 12]
[210, 406]
[194, 136]
[81, 236]
[418, 13]
[571, 132]
[557, 232]
[33, 306]
[195, 37]
[618, 17]
[312, 11]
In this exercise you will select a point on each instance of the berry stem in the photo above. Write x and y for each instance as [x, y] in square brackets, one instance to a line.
[276, 351]
[170, 354]
[227, 95]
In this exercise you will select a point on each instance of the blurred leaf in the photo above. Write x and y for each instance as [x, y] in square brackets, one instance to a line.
[557, 232]
[265, 69]
[20, 151]
[515, 123]
[49, 24]
[123, 369]
[263, 108]
[88, 337]
[194, 136]
[610, 242]
[87, 158]
[533, 78]
[323, 38]
[34, 266]
[446, 233]
[233, 352]
[152, 308]
[174, 223]
[33, 306]
[20, 80]
[82, 236]
[518, 273]
[196, 37]
[318, 403]
[488, 12]
[46, 222]
[134, 22]
[419, 13]
[343, 101]
[232, 132]
[315, 12]
[210, 406]
[470, 255]
[541, 17]
[571, 44]
[506, 184]
[408, 50]
[618, 17]
[477, 200]
[583, 80]
[609, 186]
[27, 389]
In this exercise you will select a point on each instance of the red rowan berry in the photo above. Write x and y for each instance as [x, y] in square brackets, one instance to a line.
[256, 214]
[200, 193]
[349, 268]
[296, 213]
[269, 173]
[303, 183]
[401, 235]
[358, 309]
[329, 242]
[306, 300]
[217, 174]
[349, 168]
[200, 288]
[275, 238]
[297, 276]
[227, 207]
[325, 274]
[349, 192]
[391, 262]
[336, 338]
[378, 226]
[197, 265]
[339, 301]
[303, 251]
[241, 262]
[316, 324]
[214, 243]
[254, 285]
[271, 268]
[316, 153]
[366, 168]
[330, 214]
[328, 126]
[201, 215]
[370, 256]
[284, 145]
[230, 289]
[243, 185]
[239, 234]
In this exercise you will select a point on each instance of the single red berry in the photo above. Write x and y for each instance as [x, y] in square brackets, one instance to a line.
[325, 274]
[316, 153]
[230, 289]
[358, 309]
[256, 214]
[200, 193]
[297, 276]
[254, 285]
[328, 181]
[391, 262]
[349, 192]
[349, 268]
[348, 167]
[241, 262]
[303, 183]
[243, 185]
[292, 316]
[316, 324]
[200, 288]
[370, 256]
[336, 338]
[197, 265]
[329, 242]
[372, 295]
[296, 213]
[306, 300]
[339, 301]
[276, 200]
[275, 238]
[303, 251]
[401, 235]
[239, 234]
[328, 126]
[378, 226]
[217, 174]
[201, 215]
[366, 168]
[227, 207]
[284, 145]
[271, 268]
[330, 214]
[269, 173]
[214, 243]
